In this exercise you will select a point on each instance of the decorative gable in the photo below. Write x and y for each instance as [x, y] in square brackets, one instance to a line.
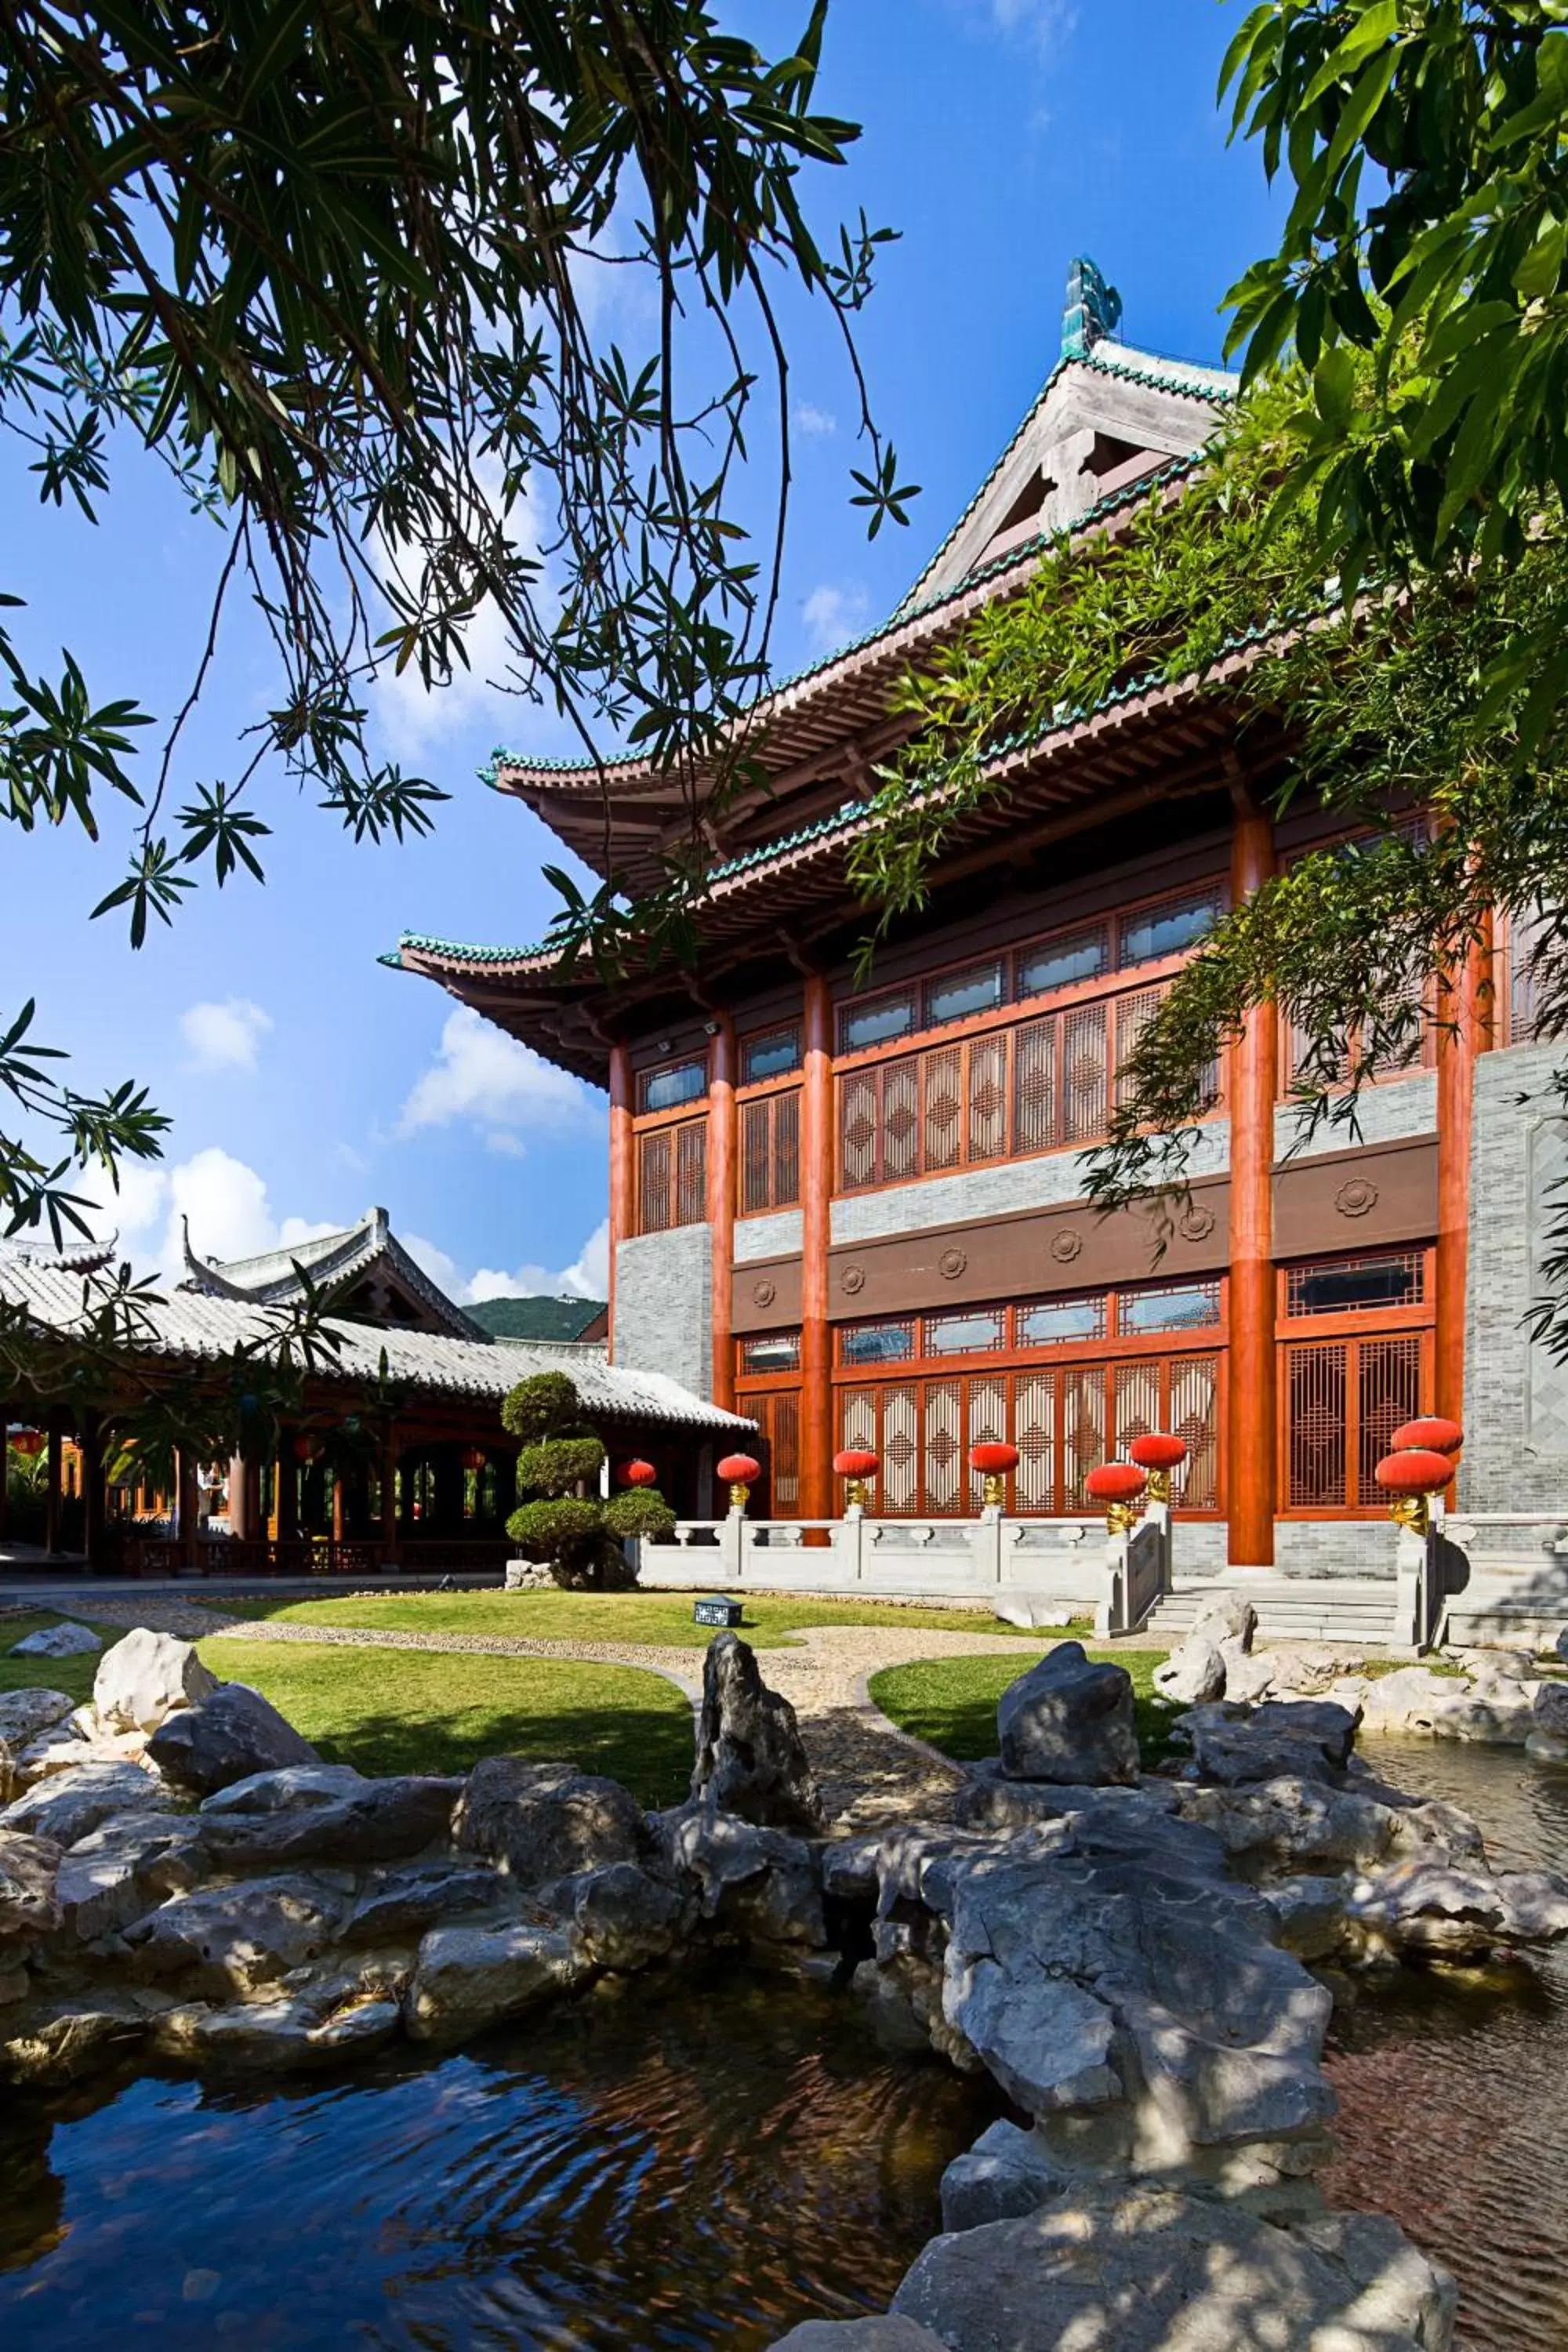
[1107, 415]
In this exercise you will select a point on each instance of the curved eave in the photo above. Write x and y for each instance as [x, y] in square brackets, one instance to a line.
[816, 710]
[1128, 746]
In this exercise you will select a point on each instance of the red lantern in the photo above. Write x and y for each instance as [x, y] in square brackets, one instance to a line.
[1115, 1482]
[475, 1458]
[1419, 1471]
[1431, 1433]
[29, 1442]
[638, 1474]
[1158, 1451]
[740, 1469]
[993, 1460]
[856, 1462]
[306, 1448]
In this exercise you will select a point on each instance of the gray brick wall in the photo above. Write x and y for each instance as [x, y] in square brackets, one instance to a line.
[1301, 1547]
[1043, 1183]
[1398, 1108]
[1516, 1395]
[778, 1236]
[664, 1295]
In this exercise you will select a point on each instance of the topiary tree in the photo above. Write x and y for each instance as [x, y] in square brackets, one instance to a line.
[565, 1525]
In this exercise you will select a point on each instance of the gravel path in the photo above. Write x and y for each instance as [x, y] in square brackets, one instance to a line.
[870, 1771]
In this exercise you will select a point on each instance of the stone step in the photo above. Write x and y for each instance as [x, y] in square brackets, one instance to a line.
[1315, 1609]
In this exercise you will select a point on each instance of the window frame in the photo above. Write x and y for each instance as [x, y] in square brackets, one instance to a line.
[681, 1109]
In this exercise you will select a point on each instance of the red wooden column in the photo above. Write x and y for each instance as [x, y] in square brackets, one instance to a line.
[94, 1494]
[721, 1138]
[1465, 1002]
[623, 1186]
[1253, 1083]
[816, 1233]
[241, 1523]
[186, 1508]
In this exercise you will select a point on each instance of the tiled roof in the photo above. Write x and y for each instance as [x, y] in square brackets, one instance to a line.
[187, 1326]
[856, 816]
[272, 1278]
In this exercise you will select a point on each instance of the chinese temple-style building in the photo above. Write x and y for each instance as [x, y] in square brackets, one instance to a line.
[854, 1212]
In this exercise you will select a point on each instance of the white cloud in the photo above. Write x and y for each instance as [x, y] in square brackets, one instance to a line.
[817, 423]
[483, 1075]
[1045, 24]
[833, 615]
[443, 1271]
[225, 1201]
[588, 1275]
[225, 1037]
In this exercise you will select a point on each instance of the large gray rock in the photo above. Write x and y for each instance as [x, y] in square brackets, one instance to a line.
[762, 1884]
[545, 1821]
[1249, 1675]
[1551, 1709]
[1005, 2174]
[1307, 1825]
[232, 1736]
[1085, 1982]
[622, 1918]
[23, 1714]
[68, 1806]
[297, 1788]
[65, 1640]
[121, 1868]
[145, 1677]
[1069, 1720]
[750, 1758]
[1146, 2270]
[1222, 1619]
[398, 1906]
[885, 2334]
[1193, 1675]
[223, 1940]
[466, 1977]
[325, 2024]
[381, 1821]
[1308, 1740]
[1444, 1909]
[29, 1872]
[58, 2041]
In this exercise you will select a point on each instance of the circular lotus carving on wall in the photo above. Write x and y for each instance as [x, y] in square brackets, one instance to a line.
[1066, 1245]
[1355, 1197]
[763, 1293]
[1196, 1223]
[853, 1280]
[952, 1264]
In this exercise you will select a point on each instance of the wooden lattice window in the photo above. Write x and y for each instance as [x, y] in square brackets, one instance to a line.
[770, 1152]
[1064, 1421]
[672, 1177]
[1343, 1400]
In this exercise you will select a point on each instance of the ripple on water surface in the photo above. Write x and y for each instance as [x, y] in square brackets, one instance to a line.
[673, 2168]
[1453, 2085]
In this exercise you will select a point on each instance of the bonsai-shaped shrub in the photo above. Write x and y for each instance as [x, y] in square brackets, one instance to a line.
[565, 1525]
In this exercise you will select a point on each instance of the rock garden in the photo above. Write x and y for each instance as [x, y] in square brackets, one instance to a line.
[1142, 1962]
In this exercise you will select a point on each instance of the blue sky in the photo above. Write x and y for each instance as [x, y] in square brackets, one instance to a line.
[305, 1081]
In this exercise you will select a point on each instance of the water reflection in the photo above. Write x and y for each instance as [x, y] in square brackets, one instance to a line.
[672, 2169]
[1454, 2085]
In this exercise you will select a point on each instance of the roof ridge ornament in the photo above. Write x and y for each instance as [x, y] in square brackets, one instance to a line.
[1093, 310]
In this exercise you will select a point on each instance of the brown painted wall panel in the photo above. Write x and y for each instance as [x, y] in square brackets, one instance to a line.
[1355, 1201]
[766, 1296]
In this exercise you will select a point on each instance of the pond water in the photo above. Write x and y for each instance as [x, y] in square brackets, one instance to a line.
[678, 2166]
[1453, 2085]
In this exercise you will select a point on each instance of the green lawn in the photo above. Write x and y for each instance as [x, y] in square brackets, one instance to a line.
[424, 1711]
[952, 1702]
[431, 1711]
[73, 1674]
[655, 1617]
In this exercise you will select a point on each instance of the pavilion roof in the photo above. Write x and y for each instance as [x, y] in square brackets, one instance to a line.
[272, 1278]
[191, 1327]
